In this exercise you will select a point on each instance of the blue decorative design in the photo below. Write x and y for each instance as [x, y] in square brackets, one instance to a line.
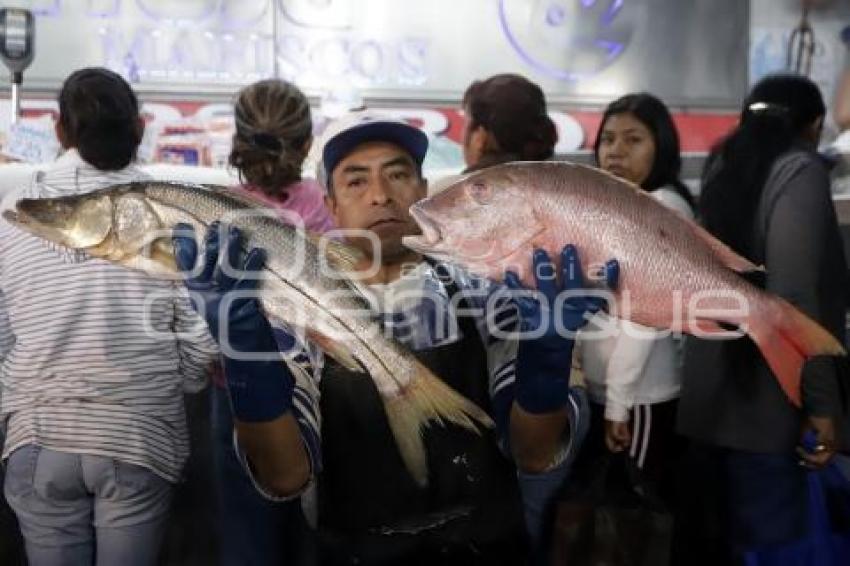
[612, 12]
[51, 10]
[211, 7]
[597, 36]
[555, 15]
[102, 12]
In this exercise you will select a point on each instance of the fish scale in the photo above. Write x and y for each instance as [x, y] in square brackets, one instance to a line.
[680, 260]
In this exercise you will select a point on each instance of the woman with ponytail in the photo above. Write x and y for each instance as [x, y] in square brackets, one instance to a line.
[766, 194]
[274, 131]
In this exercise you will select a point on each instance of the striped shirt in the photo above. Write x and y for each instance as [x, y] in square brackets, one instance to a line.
[95, 357]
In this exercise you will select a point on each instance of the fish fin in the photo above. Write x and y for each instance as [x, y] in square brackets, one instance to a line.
[786, 339]
[727, 255]
[155, 259]
[335, 349]
[427, 398]
[104, 249]
[162, 252]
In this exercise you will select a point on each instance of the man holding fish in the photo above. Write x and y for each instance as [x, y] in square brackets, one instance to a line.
[369, 507]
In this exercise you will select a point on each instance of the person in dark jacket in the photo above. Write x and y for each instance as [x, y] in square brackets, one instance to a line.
[766, 195]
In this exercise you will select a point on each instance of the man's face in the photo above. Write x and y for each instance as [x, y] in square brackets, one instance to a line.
[373, 188]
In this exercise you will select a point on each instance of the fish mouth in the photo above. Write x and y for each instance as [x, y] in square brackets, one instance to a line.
[64, 221]
[12, 217]
[431, 235]
[22, 220]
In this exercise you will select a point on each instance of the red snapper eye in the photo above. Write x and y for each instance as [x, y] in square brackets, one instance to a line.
[480, 192]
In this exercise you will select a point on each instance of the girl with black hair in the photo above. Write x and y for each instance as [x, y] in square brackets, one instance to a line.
[766, 194]
[632, 373]
[93, 371]
[638, 141]
[638, 370]
[634, 376]
[274, 132]
[99, 119]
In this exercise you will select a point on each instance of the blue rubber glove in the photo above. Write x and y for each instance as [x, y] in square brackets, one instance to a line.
[260, 386]
[543, 364]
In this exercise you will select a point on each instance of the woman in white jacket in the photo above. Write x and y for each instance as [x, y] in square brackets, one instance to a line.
[632, 372]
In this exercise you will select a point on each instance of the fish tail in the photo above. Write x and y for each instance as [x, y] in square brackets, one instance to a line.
[786, 339]
[426, 398]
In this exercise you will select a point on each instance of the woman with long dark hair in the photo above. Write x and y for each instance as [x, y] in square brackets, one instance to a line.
[632, 373]
[634, 377]
[638, 141]
[766, 194]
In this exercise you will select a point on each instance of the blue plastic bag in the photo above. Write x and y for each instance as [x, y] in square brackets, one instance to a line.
[822, 546]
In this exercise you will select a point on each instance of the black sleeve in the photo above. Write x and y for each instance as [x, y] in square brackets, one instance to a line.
[795, 249]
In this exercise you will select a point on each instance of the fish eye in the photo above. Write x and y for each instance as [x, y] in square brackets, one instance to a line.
[480, 192]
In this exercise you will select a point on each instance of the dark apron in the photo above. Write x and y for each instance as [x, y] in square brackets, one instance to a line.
[370, 509]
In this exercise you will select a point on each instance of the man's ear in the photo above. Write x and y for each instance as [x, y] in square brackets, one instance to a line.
[491, 145]
[479, 142]
[60, 133]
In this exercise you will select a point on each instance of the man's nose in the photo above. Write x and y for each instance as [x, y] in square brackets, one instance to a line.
[379, 192]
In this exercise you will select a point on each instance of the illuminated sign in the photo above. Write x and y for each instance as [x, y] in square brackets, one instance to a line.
[316, 42]
[403, 50]
[323, 42]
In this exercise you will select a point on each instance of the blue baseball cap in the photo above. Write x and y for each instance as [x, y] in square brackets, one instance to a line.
[361, 127]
